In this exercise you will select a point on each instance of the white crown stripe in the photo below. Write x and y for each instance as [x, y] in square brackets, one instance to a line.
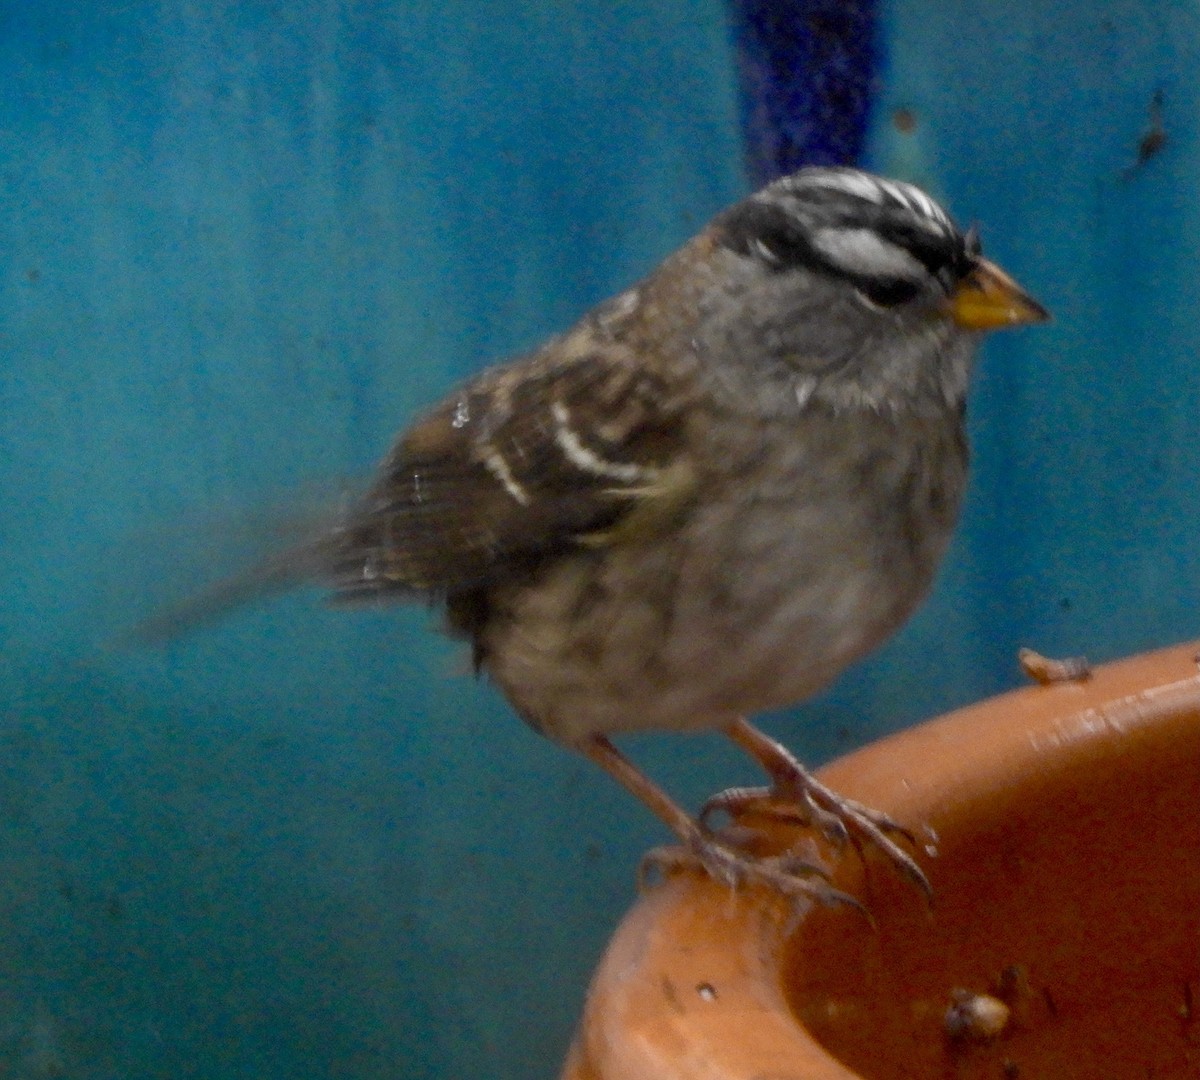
[855, 184]
[916, 199]
[875, 189]
[897, 194]
[929, 206]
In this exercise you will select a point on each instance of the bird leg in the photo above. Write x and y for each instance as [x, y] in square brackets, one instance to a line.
[796, 795]
[717, 856]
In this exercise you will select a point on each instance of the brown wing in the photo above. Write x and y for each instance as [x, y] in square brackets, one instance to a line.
[526, 461]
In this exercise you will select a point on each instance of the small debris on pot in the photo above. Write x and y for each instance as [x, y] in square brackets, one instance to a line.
[1041, 669]
[975, 1018]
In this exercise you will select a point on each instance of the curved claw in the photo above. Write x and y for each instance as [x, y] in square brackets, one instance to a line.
[874, 827]
[806, 801]
[790, 874]
[737, 801]
[802, 809]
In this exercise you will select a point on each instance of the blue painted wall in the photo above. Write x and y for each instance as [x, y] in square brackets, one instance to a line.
[242, 243]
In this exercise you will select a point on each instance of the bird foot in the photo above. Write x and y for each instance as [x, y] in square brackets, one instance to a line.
[791, 873]
[803, 800]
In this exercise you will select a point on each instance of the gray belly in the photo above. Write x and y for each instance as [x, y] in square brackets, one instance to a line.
[761, 600]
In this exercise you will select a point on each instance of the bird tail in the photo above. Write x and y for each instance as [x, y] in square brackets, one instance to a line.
[277, 573]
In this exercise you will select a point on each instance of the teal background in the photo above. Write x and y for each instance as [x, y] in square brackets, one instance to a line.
[242, 243]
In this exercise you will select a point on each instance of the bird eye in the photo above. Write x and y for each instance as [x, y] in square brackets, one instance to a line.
[885, 293]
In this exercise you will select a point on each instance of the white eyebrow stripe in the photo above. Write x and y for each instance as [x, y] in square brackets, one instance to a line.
[862, 251]
[496, 464]
[587, 460]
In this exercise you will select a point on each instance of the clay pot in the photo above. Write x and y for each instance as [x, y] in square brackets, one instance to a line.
[1063, 832]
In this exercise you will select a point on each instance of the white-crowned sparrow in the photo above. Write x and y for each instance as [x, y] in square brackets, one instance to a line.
[706, 499]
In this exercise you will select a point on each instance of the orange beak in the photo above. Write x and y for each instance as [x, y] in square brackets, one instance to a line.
[988, 299]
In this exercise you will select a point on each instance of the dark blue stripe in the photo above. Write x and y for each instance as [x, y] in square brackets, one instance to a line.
[807, 70]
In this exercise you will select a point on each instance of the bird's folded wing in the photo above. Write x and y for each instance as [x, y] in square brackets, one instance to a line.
[526, 461]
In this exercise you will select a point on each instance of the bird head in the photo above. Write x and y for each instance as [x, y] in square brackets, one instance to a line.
[864, 288]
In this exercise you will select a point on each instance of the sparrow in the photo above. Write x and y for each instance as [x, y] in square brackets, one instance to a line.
[706, 499]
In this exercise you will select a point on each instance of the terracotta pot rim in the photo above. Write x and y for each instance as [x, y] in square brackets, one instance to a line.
[978, 750]
[647, 1013]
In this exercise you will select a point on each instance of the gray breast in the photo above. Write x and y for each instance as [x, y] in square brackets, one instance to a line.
[799, 556]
